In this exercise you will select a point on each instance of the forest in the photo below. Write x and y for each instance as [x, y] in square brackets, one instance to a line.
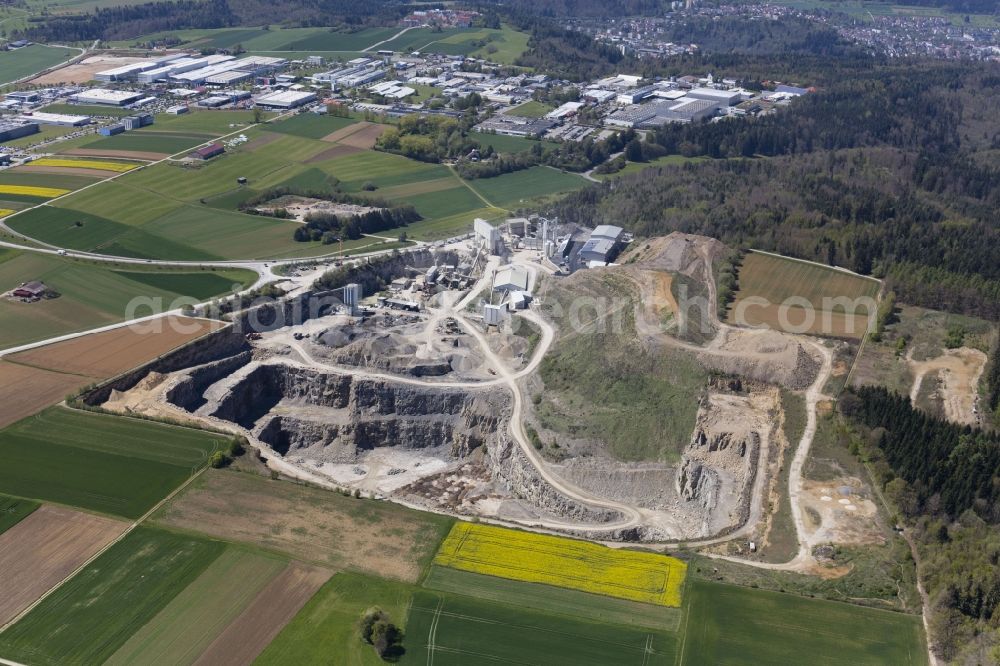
[128, 21]
[944, 479]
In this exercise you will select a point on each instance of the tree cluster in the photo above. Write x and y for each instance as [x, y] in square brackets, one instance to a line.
[376, 629]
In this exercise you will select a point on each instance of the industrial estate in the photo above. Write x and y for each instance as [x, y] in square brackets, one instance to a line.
[399, 342]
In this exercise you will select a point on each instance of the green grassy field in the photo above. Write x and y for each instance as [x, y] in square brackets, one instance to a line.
[507, 44]
[300, 41]
[93, 294]
[326, 625]
[635, 167]
[167, 143]
[799, 297]
[531, 109]
[189, 212]
[507, 144]
[549, 599]
[92, 615]
[187, 625]
[733, 625]
[13, 510]
[18, 63]
[512, 190]
[118, 466]
[451, 629]
[60, 180]
[311, 125]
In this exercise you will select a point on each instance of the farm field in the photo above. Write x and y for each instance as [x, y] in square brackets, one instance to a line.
[251, 632]
[326, 624]
[299, 40]
[89, 110]
[313, 525]
[311, 125]
[35, 379]
[507, 44]
[117, 466]
[507, 144]
[44, 548]
[512, 190]
[13, 510]
[578, 565]
[106, 354]
[19, 63]
[93, 295]
[82, 622]
[733, 625]
[777, 279]
[169, 211]
[450, 629]
[186, 626]
[549, 599]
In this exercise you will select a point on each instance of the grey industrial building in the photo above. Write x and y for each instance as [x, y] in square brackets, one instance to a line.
[9, 131]
[516, 125]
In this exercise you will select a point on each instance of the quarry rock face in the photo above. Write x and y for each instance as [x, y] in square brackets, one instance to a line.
[333, 417]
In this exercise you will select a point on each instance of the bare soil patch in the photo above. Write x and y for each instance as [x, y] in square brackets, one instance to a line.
[32, 380]
[83, 71]
[109, 353]
[254, 629]
[124, 154]
[345, 132]
[25, 390]
[846, 514]
[69, 171]
[333, 153]
[959, 370]
[365, 137]
[44, 548]
[307, 523]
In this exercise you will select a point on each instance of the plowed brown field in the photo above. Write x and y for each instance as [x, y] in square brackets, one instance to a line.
[44, 548]
[255, 628]
[34, 379]
[365, 137]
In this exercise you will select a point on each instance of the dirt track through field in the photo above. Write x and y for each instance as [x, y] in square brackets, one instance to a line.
[344, 132]
[124, 154]
[254, 629]
[44, 548]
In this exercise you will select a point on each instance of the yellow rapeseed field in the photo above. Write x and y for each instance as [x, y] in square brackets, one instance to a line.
[32, 191]
[119, 167]
[579, 565]
[4, 212]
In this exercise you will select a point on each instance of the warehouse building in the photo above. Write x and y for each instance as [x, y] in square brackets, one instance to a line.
[23, 97]
[285, 100]
[516, 125]
[180, 66]
[10, 131]
[106, 97]
[722, 97]
[608, 232]
[65, 120]
[131, 71]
